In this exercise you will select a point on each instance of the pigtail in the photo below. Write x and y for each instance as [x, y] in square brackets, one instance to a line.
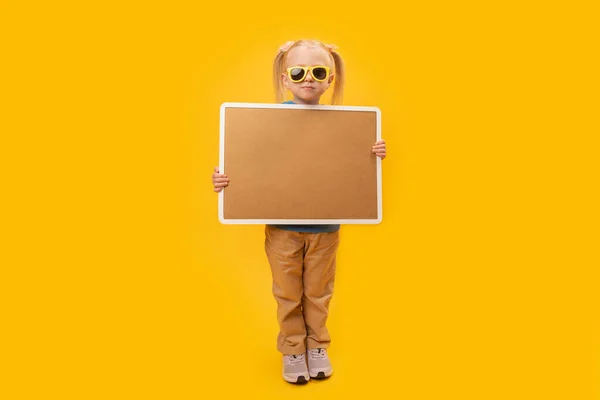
[277, 71]
[338, 80]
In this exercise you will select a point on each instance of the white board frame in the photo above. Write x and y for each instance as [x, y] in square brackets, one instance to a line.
[223, 220]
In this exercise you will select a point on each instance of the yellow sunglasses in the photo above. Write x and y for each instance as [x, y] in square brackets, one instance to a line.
[298, 74]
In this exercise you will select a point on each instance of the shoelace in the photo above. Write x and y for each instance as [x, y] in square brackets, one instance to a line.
[295, 359]
[317, 353]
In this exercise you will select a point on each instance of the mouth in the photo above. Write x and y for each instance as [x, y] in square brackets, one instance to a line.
[307, 87]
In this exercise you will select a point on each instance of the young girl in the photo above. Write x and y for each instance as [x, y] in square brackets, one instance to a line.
[302, 257]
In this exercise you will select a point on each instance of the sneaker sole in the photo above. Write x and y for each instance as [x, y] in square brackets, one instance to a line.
[299, 380]
[321, 375]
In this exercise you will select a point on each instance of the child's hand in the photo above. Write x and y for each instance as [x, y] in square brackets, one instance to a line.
[219, 180]
[379, 149]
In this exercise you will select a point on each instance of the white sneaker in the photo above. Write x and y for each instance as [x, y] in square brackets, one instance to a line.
[294, 368]
[319, 366]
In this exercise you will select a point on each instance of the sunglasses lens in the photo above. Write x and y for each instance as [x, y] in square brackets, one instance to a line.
[297, 74]
[319, 73]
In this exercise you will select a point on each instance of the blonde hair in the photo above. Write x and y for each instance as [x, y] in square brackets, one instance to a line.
[279, 68]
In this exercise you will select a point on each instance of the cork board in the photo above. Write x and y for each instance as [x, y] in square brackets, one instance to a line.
[299, 164]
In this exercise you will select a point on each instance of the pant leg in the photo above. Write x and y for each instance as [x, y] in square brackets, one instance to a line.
[285, 251]
[318, 278]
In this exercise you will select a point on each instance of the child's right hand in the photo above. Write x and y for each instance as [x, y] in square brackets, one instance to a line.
[219, 180]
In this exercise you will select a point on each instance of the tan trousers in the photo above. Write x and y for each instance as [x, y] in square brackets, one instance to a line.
[303, 268]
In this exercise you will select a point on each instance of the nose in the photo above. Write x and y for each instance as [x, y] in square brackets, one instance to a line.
[309, 77]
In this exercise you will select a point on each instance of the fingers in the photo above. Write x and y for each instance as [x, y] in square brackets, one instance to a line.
[218, 186]
[218, 175]
[380, 144]
[219, 180]
[379, 149]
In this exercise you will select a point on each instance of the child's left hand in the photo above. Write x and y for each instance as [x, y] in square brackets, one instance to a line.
[379, 149]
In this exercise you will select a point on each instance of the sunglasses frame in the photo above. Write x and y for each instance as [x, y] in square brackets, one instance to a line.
[306, 71]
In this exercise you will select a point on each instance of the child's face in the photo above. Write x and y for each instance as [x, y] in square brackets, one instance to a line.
[309, 91]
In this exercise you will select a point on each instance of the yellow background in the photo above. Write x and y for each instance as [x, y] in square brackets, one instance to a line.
[118, 281]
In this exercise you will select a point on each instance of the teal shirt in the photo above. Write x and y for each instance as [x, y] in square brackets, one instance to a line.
[307, 228]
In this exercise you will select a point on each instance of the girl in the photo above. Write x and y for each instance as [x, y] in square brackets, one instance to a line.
[302, 257]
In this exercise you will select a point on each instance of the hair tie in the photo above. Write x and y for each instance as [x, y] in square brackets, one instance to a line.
[286, 46]
[331, 47]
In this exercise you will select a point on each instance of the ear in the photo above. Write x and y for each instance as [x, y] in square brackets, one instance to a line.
[330, 79]
[284, 78]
